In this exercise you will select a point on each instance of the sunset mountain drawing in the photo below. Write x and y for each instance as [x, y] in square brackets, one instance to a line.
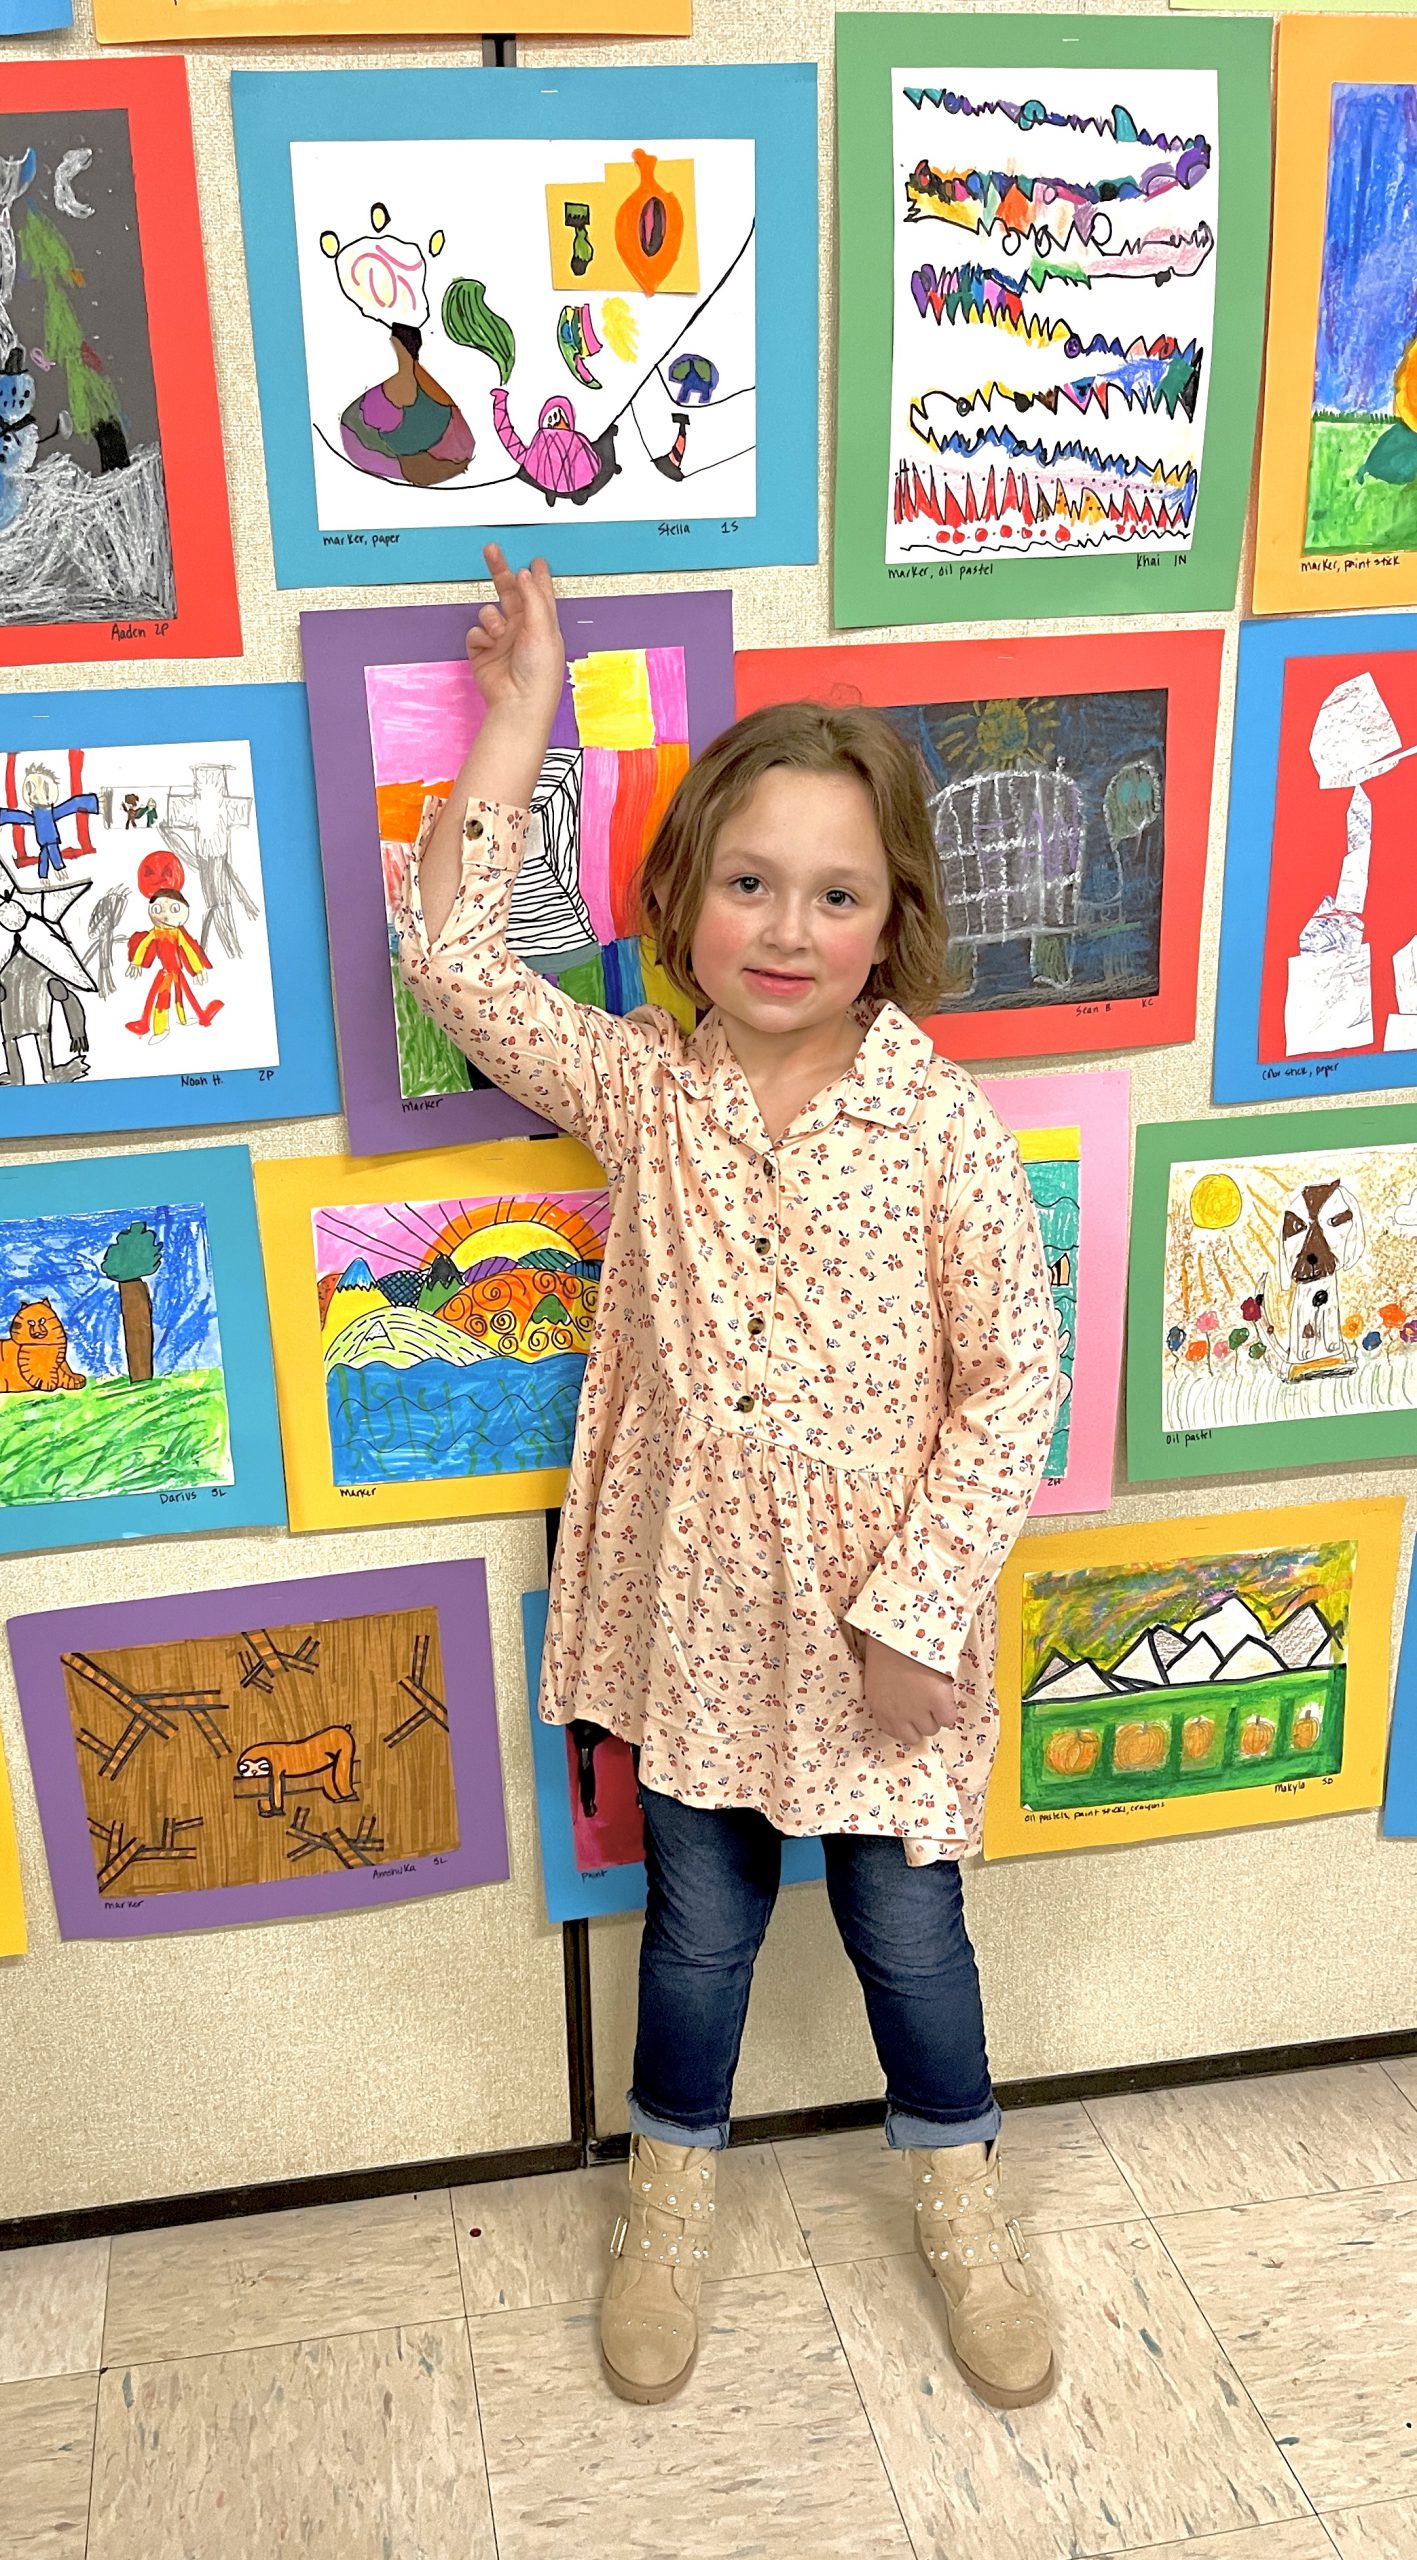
[454, 1333]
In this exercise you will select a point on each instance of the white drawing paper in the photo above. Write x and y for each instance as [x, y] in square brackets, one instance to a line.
[1051, 335]
[132, 914]
[475, 354]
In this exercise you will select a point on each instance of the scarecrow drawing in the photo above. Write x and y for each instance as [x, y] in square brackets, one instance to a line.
[168, 950]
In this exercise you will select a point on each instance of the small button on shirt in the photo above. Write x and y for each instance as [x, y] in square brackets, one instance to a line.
[818, 1401]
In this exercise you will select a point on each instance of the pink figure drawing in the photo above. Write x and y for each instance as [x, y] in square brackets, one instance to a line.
[559, 461]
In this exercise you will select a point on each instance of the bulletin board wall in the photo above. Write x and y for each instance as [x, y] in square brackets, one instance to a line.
[235, 2057]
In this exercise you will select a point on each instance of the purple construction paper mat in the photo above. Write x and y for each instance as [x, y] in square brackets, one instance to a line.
[458, 1594]
[338, 646]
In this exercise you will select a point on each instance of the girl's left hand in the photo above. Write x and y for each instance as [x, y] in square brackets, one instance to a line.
[908, 1700]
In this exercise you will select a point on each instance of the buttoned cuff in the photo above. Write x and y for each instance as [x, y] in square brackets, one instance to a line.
[928, 1626]
[494, 842]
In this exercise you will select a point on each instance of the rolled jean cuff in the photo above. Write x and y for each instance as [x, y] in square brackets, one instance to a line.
[711, 2137]
[918, 2133]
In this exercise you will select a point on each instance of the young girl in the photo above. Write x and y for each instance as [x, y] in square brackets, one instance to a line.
[816, 1411]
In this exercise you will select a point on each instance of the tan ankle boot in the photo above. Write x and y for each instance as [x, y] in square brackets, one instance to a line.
[649, 2331]
[997, 2329]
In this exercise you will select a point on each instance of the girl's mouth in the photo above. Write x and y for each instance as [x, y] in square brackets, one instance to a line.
[777, 982]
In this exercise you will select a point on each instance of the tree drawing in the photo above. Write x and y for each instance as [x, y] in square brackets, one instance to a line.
[131, 1260]
[92, 400]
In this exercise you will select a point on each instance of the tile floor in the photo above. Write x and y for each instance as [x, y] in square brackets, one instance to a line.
[1231, 2269]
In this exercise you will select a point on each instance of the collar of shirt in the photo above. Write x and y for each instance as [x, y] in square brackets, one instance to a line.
[883, 1084]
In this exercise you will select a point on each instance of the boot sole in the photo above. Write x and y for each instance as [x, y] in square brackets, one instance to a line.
[645, 2394]
[994, 2393]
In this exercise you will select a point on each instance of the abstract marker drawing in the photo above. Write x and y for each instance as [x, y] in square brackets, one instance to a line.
[111, 1378]
[84, 532]
[568, 325]
[1362, 484]
[132, 913]
[455, 1333]
[618, 750]
[1290, 1288]
[1187, 1679]
[1054, 281]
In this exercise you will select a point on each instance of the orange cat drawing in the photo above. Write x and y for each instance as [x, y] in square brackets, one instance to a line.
[328, 1756]
[33, 1355]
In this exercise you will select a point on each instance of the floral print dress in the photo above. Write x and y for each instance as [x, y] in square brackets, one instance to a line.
[819, 1398]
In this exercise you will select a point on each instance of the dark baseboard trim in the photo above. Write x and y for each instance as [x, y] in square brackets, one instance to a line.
[798, 2123]
[354, 2186]
[222, 2204]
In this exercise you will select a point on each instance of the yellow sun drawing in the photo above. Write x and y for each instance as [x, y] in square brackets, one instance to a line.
[1216, 1201]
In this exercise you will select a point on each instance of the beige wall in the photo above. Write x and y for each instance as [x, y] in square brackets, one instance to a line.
[244, 2055]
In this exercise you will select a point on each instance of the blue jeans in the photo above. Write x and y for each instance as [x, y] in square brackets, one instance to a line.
[713, 1881]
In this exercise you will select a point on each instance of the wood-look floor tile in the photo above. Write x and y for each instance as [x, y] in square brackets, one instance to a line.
[46, 2463]
[853, 2196]
[1146, 2439]
[1227, 2142]
[365, 2448]
[766, 2453]
[1386, 2532]
[51, 2309]
[1315, 2301]
[547, 2240]
[319, 2272]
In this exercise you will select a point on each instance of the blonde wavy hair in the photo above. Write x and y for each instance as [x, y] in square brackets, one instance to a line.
[804, 737]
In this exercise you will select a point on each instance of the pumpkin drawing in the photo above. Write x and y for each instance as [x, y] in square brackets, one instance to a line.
[1072, 1754]
[1257, 1736]
[1307, 1726]
[1197, 1737]
[1140, 1746]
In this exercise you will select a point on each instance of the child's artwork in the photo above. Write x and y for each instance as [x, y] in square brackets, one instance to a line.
[162, 931]
[1338, 465]
[432, 1316]
[1074, 1134]
[1195, 1675]
[205, 21]
[1273, 1299]
[14, 1937]
[263, 1754]
[1052, 243]
[1069, 790]
[34, 17]
[393, 710]
[135, 1365]
[588, 1810]
[1318, 947]
[114, 538]
[580, 315]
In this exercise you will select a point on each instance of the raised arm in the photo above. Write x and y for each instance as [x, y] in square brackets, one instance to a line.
[577, 1066]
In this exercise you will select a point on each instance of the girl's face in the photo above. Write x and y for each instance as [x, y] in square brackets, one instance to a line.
[796, 905]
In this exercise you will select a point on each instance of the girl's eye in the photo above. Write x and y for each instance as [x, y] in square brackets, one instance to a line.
[834, 895]
[746, 880]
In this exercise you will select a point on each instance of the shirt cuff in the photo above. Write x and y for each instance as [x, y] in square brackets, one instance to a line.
[928, 1626]
[494, 839]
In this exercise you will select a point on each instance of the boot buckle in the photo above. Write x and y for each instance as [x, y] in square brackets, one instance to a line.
[1022, 2251]
[619, 2237]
